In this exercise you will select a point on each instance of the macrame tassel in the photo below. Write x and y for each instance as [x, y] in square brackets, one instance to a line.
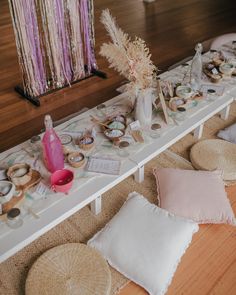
[76, 44]
[30, 54]
[87, 35]
[56, 41]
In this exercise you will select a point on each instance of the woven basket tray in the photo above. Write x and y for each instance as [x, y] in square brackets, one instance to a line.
[215, 154]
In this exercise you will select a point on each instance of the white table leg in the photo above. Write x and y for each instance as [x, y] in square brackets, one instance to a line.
[139, 175]
[224, 114]
[96, 205]
[197, 133]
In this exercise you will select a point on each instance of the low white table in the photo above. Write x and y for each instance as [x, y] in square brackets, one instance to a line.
[91, 192]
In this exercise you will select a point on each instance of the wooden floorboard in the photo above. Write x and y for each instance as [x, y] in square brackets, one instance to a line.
[170, 28]
[209, 265]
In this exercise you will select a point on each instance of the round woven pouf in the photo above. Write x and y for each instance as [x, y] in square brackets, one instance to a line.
[215, 154]
[69, 269]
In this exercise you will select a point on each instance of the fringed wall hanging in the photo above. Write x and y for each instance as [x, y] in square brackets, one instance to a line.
[55, 44]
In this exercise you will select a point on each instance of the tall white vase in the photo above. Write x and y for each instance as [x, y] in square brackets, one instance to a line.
[143, 106]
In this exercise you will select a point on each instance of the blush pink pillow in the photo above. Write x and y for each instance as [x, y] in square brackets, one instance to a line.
[197, 195]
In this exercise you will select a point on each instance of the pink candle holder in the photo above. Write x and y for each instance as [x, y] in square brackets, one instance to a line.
[61, 181]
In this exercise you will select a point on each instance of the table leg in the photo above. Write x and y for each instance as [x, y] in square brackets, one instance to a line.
[96, 205]
[139, 175]
[197, 133]
[224, 114]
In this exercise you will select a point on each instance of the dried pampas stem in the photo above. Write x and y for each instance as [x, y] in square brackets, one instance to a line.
[131, 59]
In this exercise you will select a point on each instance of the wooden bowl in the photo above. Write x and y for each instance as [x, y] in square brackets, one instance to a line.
[76, 159]
[119, 118]
[176, 102]
[20, 174]
[114, 134]
[115, 125]
[215, 78]
[86, 142]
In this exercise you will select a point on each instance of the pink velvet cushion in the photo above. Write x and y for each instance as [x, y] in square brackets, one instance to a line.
[197, 195]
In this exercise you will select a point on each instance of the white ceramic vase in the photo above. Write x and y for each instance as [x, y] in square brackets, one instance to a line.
[143, 106]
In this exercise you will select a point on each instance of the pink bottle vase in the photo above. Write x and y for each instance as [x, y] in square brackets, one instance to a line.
[52, 148]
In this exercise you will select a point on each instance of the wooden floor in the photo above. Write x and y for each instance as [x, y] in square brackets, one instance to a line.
[170, 28]
[204, 272]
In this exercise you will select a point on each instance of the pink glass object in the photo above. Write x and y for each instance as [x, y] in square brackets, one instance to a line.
[52, 148]
[61, 180]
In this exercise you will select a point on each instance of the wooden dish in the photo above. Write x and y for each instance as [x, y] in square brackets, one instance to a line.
[174, 105]
[116, 125]
[119, 118]
[208, 70]
[76, 159]
[215, 78]
[114, 134]
[17, 199]
[86, 142]
[19, 174]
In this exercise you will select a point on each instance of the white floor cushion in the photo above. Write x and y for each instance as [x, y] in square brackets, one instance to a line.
[228, 133]
[145, 243]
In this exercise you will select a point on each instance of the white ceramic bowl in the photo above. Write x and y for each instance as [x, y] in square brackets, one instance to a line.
[184, 92]
[226, 68]
[8, 189]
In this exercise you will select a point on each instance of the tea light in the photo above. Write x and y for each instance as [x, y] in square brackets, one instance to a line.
[101, 110]
[123, 144]
[122, 151]
[184, 92]
[14, 219]
[155, 130]
[181, 109]
[234, 45]
[211, 94]
[35, 142]
[226, 68]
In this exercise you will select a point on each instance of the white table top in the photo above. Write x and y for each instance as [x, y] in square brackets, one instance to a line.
[14, 240]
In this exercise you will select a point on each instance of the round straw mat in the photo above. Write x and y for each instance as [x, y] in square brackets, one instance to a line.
[69, 269]
[215, 154]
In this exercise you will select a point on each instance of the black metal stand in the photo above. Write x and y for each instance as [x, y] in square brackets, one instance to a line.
[35, 100]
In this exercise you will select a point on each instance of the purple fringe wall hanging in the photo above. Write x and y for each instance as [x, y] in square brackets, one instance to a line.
[55, 42]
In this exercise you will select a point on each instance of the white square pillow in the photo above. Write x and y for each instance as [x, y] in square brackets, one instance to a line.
[228, 133]
[196, 195]
[145, 243]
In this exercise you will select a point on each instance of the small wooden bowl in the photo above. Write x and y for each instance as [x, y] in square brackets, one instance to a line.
[215, 78]
[119, 118]
[173, 103]
[114, 134]
[86, 142]
[19, 174]
[76, 159]
[115, 126]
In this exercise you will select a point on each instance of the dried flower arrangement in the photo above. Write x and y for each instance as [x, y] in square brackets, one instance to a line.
[131, 58]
